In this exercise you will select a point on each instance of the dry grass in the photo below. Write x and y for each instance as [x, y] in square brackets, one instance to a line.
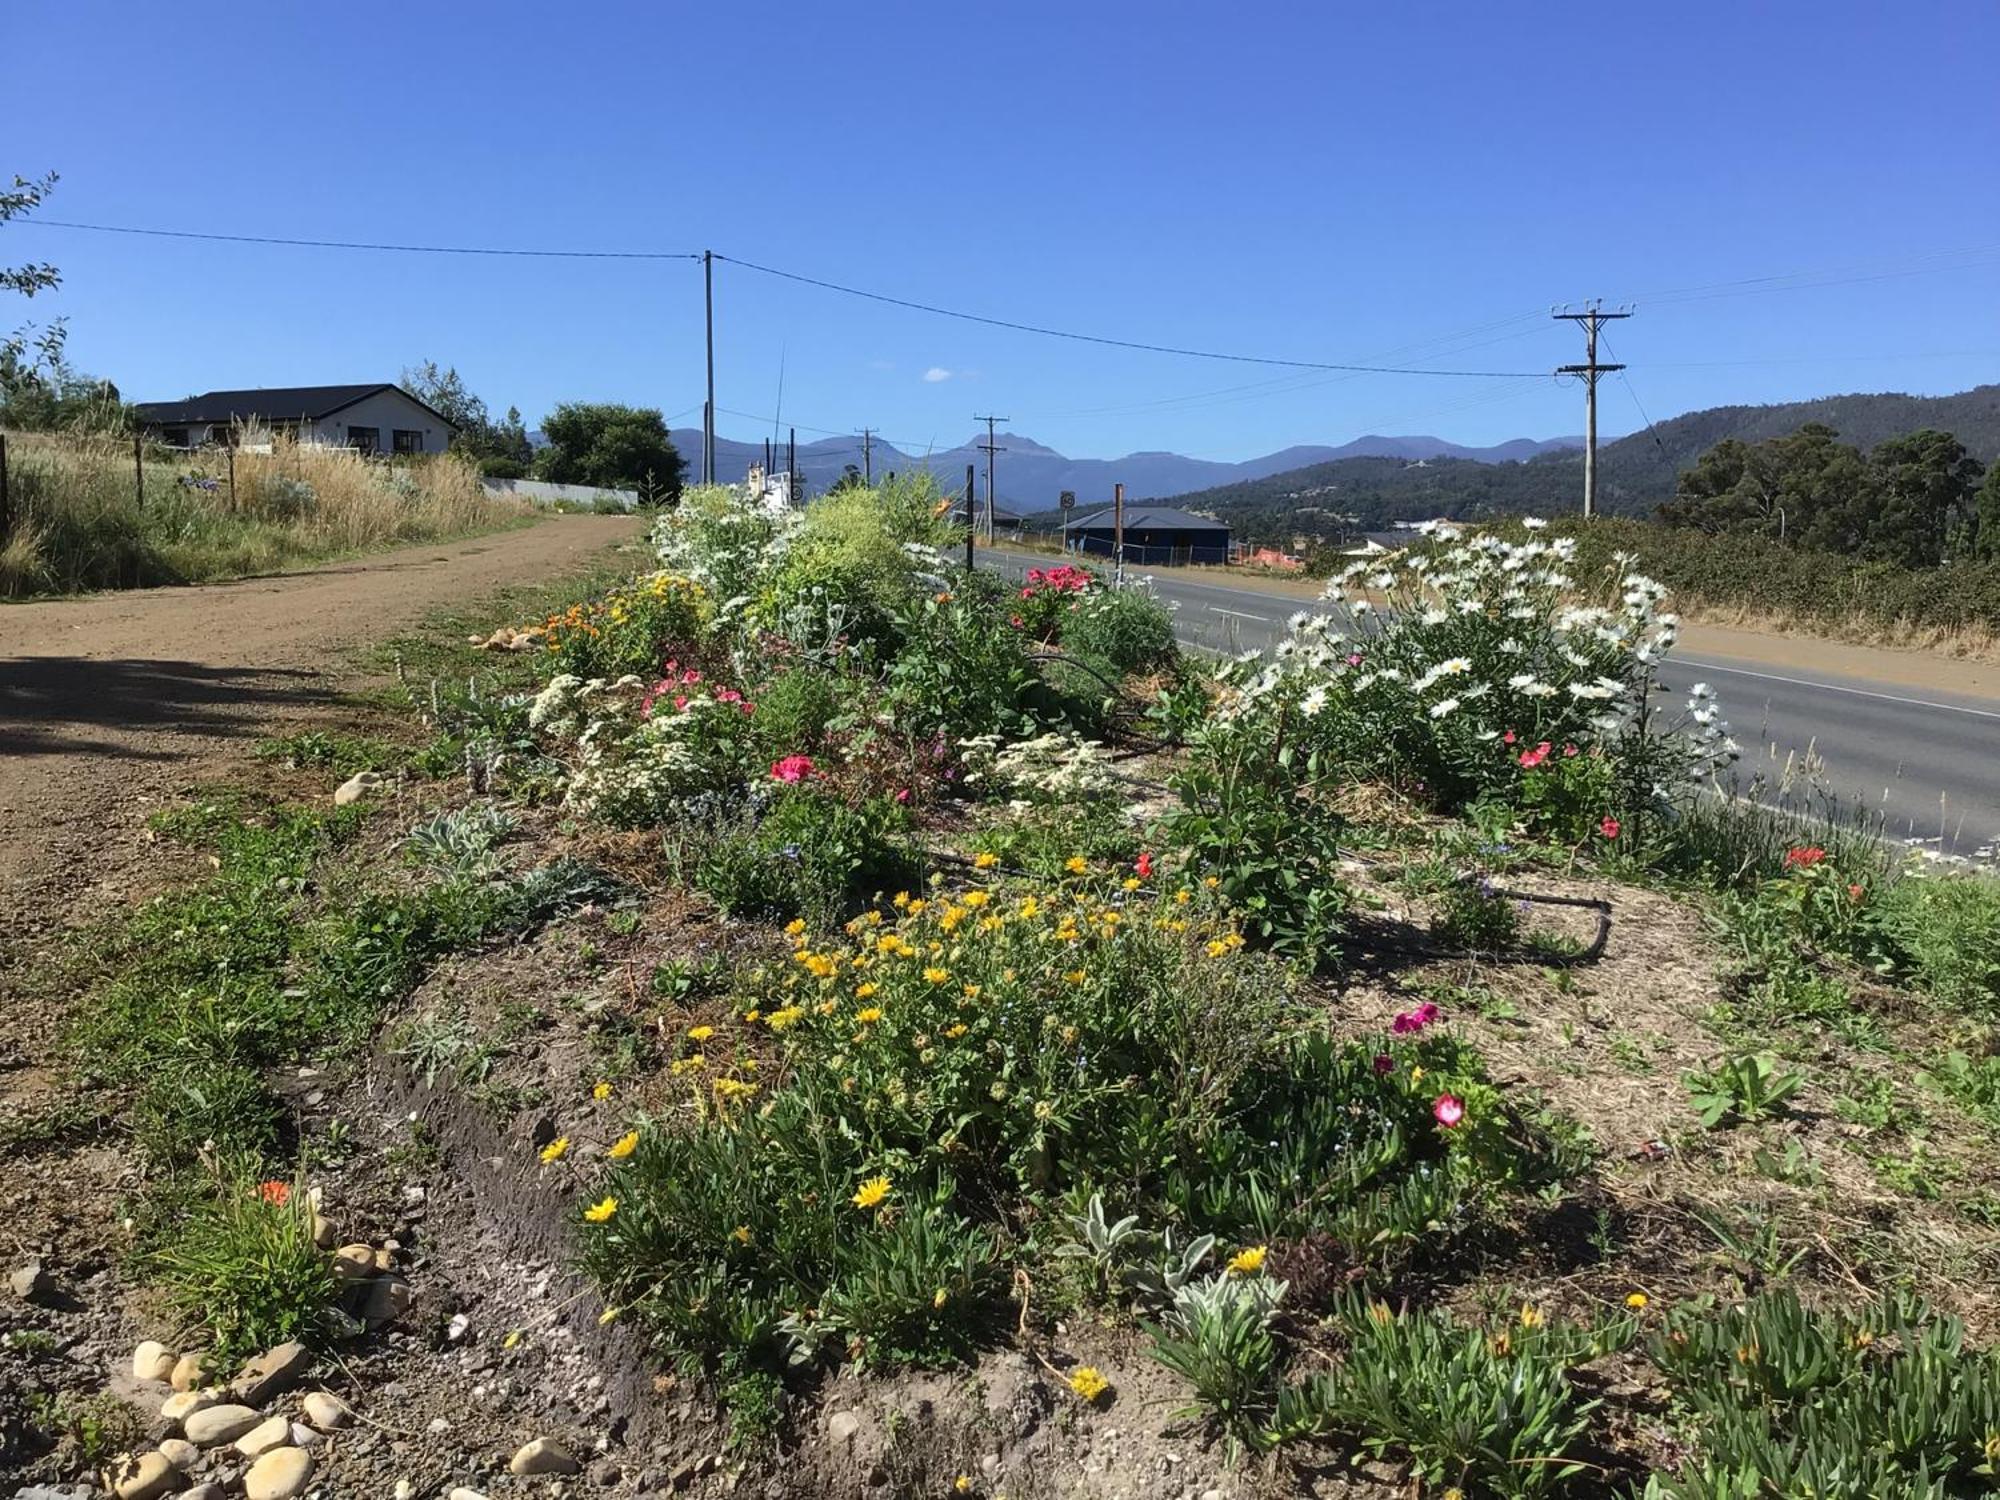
[1960, 643]
[79, 521]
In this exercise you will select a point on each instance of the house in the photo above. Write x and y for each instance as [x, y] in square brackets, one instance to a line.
[1154, 534]
[369, 418]
[1380, 543]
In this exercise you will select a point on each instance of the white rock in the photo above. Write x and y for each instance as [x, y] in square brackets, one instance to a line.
[542, 1456]
[272, 1373]
[405, 1490]
[178, 1407]
[462, 1492]
[356, 787]
[385, 1300]
[218, 1424]
[325, 1410]
[272, 1432]
[188, 1372]
[325, 1233]
[841, 1427]
[179, 1452]
[152, 1361]
[458, 1327]
[303, 1436]
[354, 1262]
[209, 1491]
[144, 1478]
[278, 1475]
[30, 1281]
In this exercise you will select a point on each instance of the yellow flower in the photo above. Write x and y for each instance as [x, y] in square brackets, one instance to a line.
[700, 1033]
[1183, 896]
[609, 1315]
[1210, 882]
[1088, 1382]
[902, 899]
[597, 1213]
[972, 992]
[1030, 907]
[869, 1015]
[863, 991]
[1416, 1075]
[601, 1091]
[1247, 1262]
[821, 967]
[693, 1063]
[936, 976]
[938, 1298]
[955, 1032]
[984, 861]
[1531, 1316]
[1637, 1300]
[778, 1020]
[916, 907]
[1076, 864]
[796, 926]
[733, 1088]
[624, 1146]
[871, 1192]
[1131, 883]
[1217, 948]
[976, 899]
[554, 1149]
[963, 1484]
[740, 1234]
[1075, 976]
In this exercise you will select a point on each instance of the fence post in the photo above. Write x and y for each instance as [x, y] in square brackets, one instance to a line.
[969, 564]
[231, 451]
[139, 468]
[6, 506]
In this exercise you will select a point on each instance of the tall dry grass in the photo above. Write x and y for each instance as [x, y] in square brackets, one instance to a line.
[79, 520]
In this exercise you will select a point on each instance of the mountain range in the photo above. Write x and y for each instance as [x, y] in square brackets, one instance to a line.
[1030, 476]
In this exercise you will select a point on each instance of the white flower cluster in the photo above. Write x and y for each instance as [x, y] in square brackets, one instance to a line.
[1058, 766]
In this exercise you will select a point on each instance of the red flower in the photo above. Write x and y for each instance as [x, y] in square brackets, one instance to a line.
[1568, 751]
[1532, 758]
[1609, 828]
[1856, 892]
[1804, 859]
[1449, 1110]
[792, 768]
[1384, 1063]
[902, 794]
[1144, 867]
[1507, 738]
[275, 1192]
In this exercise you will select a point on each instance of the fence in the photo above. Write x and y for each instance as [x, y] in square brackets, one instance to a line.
[541, 492]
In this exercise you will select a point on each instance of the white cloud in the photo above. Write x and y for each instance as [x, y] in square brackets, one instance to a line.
[936, 373]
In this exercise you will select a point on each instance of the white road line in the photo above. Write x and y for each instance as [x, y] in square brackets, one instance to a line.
[1237, 614]
[1806, 682]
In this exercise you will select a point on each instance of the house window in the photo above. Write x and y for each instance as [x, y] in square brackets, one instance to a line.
[174, 437]
[365, 439]
[407, 441]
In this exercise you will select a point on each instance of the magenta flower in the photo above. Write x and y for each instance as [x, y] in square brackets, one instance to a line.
[1384, 1063]
[1449, 1109]
[792, 768]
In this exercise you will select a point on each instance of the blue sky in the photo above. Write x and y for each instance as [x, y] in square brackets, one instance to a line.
[1410, 183]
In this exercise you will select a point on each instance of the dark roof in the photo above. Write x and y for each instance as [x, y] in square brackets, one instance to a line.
[278, 403]
[1149, 518]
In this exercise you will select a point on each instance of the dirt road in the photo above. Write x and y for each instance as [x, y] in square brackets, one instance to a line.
[110, 704]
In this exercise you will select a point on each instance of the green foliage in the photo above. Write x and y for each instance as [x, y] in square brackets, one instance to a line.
[808, 853]
[1944, 931]
[1121, 631]
[1781, 1398]
[1474, 914]
[342, 754]
[501, 449]
[1216, 1335]
[245, 1264]
[1748, 1087]
[613, 447]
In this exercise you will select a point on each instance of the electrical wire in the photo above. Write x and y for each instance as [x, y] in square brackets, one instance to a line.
[265, 239]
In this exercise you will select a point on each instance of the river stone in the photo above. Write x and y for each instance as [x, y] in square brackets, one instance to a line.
[356, 787]
[31, 1281]
[145, 1477]
[325, 1410]
[179, 1452]
[354, 1262]
[152, 1361]
[219, 1424]
[209, 1491]
[178, 1407]
[385, 1301]
[542, 1456]
[463, 1492]
[278, 1475]
[272, 1373]
[273, 1432]
[188, 1372]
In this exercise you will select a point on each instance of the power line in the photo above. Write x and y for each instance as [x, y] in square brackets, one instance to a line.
[266, 239]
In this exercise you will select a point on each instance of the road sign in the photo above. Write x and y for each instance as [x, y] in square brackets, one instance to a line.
[1068, 499]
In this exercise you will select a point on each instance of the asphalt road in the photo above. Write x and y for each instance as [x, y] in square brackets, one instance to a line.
[1928, 763]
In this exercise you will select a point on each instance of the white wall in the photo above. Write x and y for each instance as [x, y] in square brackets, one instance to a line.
[385, 411]
[542, 491]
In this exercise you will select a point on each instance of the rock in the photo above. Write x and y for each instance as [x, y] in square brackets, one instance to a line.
[219, 1424]
[278, 1475]
[272, 1432]
[325, 1410]
[303, 1436]
[325, 1234]
[152, 1361]
[385, 1300]
[354, 1262]
[178, 1407]
[31, 1281]
[405, 1490]
[272, 1373]
[209, 1491]
[144, 1478]
[542, 1456]
[179, 1452]
[188, 1372]
[841, 1428]
[464, 1493]
[357, 786]
[457, 1328]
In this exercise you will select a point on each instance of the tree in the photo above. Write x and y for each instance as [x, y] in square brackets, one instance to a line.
[1924, 498]
[1986, 526]
[39, 389]
[501, 449]
[850, 479]
[612, 447]
[1808, 488]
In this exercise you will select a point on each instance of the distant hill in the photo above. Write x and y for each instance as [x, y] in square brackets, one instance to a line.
[1030, 476]
[1637, 472]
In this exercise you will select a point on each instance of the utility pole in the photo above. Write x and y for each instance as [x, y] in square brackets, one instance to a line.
[989, 449]
[1590, 319]
[708, 407]
[868, 455]
[969, 563]
[1118, 533]
[792, 466]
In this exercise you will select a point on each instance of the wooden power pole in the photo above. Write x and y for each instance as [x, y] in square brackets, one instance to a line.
[1118, 532]
[989, 449]
[868, 455]
[970, 472]
[708, 407]
[1590, 319]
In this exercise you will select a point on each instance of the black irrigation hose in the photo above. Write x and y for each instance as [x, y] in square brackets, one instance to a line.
[1140, 744]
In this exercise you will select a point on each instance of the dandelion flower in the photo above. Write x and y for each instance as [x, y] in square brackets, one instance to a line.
[1637, 1300]
[740, 1234]
[1531, 1316]
[1076, 864]
[871, 1192]
[601, 1211]
[1088, 1382]
[864, 990]
[1247, 1262]
[984, 861]
[936, 976]
[700, 1033]
[554, 1150]
[963, 1484]
[868, 1015]
[796, 926]
[600, 1091]
[624, 1146]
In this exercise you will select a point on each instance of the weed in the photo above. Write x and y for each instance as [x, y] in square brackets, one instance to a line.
[244, 1263]
[1749, 1087]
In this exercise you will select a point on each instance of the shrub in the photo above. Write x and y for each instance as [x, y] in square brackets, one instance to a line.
[1122, 630]
[244, 1262]
[1944, 931]
[808, 852]
[632, 629]
[1474, 914]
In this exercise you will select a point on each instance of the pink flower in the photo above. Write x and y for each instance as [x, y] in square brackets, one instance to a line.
[680, 700]
[1016, 621]
[729, 695]
[1384, 1063]
[1410, 1022]
[1449, 1110]
[793, 768]
[1507, 738]
[1354, 659]
[902, 794]
[1532, 758]
[1609, 827]
[1144, 867]
[1568, 751]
